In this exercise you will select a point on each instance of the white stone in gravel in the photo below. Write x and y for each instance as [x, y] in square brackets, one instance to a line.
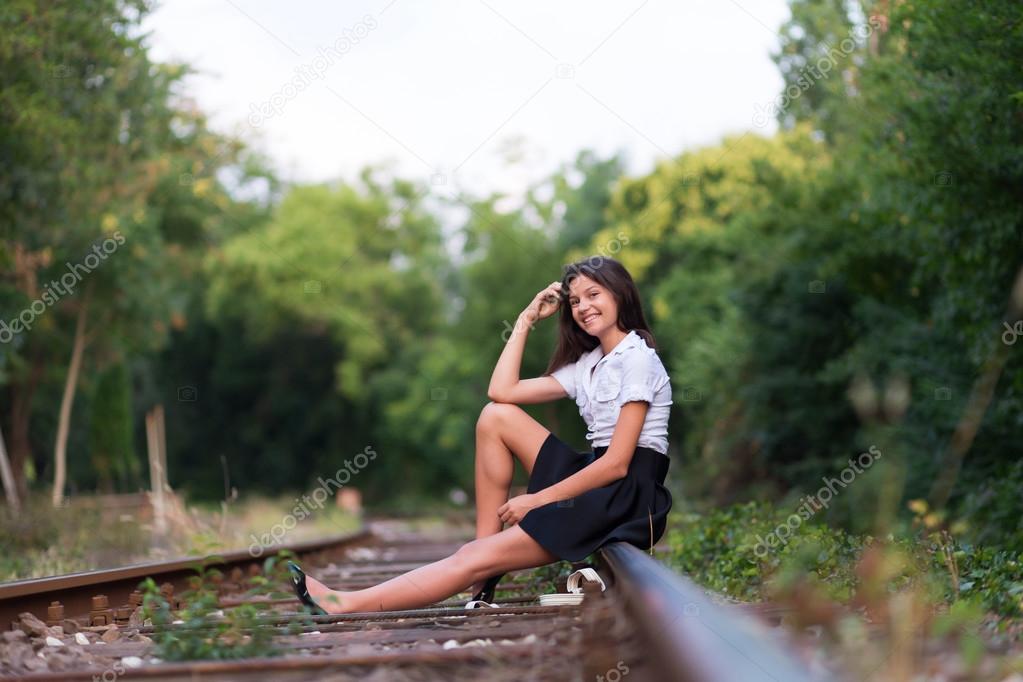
[53, 641]
[311, 632]
[81, 638]
[132, 661]
[362, 553]
[451, 644]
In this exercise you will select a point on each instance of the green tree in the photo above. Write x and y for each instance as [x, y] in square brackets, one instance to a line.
[345, 284]
[93, 134]
[110, 430]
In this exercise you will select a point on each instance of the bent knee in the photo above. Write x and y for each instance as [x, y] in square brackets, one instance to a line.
[474, 559]
[494, 414]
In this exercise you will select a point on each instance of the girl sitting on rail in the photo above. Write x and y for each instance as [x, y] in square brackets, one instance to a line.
[576, 502]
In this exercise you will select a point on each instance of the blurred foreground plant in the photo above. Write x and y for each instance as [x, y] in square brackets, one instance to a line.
[881, 606]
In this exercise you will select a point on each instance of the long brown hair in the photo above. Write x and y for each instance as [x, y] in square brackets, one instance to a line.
[612, 275]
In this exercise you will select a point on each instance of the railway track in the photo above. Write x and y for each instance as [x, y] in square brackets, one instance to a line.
[648, 624]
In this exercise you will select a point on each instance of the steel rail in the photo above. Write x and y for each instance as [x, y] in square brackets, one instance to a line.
[694, 639]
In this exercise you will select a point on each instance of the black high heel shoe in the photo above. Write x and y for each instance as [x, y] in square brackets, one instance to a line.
[489, 587]
[298, 582]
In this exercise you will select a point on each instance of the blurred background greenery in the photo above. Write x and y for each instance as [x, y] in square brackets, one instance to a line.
[873, 241]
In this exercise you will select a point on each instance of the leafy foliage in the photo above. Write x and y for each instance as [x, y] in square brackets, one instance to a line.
[875, 237]
[721, 548]
[850, 244]
[724, 549]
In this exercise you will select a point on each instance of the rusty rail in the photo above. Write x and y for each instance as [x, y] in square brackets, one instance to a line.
[649, 624]
[75, 591]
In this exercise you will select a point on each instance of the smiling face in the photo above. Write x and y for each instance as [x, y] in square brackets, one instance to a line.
[593, 306]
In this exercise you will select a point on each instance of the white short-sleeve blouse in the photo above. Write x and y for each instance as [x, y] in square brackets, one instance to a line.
[631, 371]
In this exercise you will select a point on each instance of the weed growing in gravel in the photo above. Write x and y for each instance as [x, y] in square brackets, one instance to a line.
[201, 630]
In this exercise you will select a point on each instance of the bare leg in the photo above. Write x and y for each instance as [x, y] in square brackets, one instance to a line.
[503, 432]
[508, 550]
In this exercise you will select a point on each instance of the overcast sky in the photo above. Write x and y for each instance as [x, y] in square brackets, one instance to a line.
[449, 90]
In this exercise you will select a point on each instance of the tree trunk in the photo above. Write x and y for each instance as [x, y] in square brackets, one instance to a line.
[19, 447]
[157, 473]
[976, 405]
[64, 426]
[10, 489]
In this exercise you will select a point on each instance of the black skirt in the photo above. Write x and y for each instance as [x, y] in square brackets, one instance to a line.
[633, 509]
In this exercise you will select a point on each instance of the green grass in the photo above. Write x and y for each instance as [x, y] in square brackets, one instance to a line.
[43, 541]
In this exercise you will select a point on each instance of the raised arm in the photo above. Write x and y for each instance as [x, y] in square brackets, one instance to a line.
[505, 385]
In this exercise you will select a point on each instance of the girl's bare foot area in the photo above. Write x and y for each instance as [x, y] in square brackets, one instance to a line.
[327, 599]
